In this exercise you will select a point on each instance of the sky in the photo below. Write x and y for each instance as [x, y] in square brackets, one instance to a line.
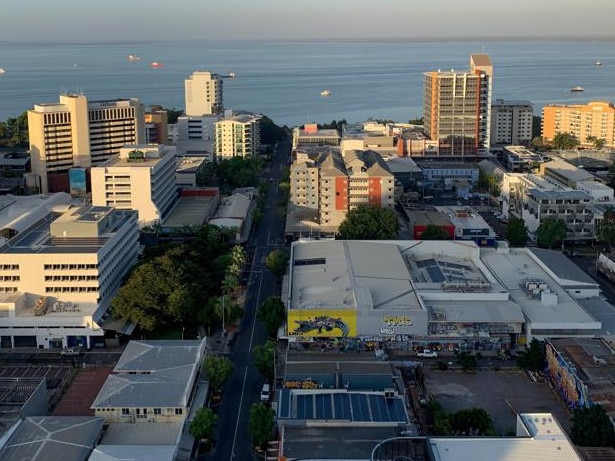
[126, 20]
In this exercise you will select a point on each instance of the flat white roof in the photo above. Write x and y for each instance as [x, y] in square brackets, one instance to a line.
[464, 217]
[336, 274]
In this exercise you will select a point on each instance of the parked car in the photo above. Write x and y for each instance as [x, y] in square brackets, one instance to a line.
[265, 393]
[427, 353]
[70, 352]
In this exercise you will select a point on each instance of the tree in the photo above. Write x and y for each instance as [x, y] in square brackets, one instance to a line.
[218, 370]
[550, 232]
[538, 142]
[516, 232]
[471, 422]
[536, 126]
[270, 133]
[264, 359]
[272, 313]
[434, 232]
[416, 121]
[597, 143]
[467, 361]
[277, 262]
[592, 427]
[262, 418]
[367, 222]
[565, 141]
[203, 426]
[533, 358]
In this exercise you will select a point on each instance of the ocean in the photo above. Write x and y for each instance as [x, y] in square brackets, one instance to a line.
[283, 79]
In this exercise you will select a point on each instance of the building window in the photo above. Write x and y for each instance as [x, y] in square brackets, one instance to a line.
[157, 411]
[125, 411]
[179, 411]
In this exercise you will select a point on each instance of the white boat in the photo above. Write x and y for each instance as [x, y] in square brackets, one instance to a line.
[577, 89]
[2, 71]
[156, 65]
[598, 63]
[231, 75]
[133, 57]
[325, 93]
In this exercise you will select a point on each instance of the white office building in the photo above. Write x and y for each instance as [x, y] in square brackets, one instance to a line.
[60, 266]
[196, 135]
[141, 178]
[204, 94]
[237, 136]
[511, 122]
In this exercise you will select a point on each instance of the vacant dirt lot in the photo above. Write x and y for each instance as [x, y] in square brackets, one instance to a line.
[498, 392]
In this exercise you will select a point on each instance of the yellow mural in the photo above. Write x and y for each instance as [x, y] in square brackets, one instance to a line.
[322, 323]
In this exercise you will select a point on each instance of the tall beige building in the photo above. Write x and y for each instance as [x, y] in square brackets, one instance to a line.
[78, 133]
[237, 136]
[457, 108]
[596, 119]
[203, 92]
[511, 123]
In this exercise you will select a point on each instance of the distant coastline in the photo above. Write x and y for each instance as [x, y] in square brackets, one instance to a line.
[464, 39]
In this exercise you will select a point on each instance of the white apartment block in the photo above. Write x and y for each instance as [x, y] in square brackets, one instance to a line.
[204, 94]
[78, 133]
[141, 178]
[60, 266]
[536, 198]
[511, 122]
[237, 136]
[196, 135]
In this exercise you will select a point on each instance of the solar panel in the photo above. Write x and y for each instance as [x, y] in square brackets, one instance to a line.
[284, 405]
[435, 274]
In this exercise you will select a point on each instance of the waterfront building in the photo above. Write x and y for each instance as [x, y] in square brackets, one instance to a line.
[140, 178]
[78, 133]
[204, 94]
[595, 119]
[457, 108]
[511, 122]
[196, 135]
[237, 136]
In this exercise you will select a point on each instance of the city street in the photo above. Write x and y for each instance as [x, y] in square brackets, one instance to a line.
[243, 388]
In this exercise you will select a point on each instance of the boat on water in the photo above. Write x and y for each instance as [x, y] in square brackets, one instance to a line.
[325, 93]
[2, 71]
[231, 75]
[598, 63]
[156, 65]
[577, 89]
[133, 58]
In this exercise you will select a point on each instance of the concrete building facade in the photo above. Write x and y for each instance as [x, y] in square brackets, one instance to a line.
[457, 108]
[60, 270]
[594, 119]
[141, 178]
[78, 133]
[511, 122]
[204, 94]
[237, 136]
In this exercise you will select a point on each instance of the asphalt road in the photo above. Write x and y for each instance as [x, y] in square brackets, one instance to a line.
[243, 388]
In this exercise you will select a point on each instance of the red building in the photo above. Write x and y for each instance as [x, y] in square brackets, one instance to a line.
[419, 220]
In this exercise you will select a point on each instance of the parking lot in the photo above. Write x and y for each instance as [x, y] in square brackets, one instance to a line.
[500, 393]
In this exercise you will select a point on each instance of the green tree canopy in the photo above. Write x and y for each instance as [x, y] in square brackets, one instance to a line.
[203, 426]
[367, 222]
[272, 313]
[533, 358]
[264, 359]
[467, 360]
[277, 262]
[536, 126]
[550, 232]
[218, 370]
[434, 232]
[262, 418]
[592, 427]
[471, 422]
[565, 141]
[14, 132]
[270, 132]
[516, 232]
[597, 143]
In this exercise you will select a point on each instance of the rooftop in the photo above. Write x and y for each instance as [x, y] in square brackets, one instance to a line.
[152, 374]
[53, 438]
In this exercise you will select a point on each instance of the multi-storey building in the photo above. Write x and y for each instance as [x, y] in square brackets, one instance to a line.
[237, 136]
[196, 135]
[204, 94]
[78, 133]
[312, 139]
[141, 178]
[59, 269]
[457, 108]
[511, 123]
[333, 184]
[156, 128]
[534, 198]
[586, 121]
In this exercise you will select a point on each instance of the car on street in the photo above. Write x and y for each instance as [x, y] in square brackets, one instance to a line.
[427, 353]
[265, 393]
[70, 352]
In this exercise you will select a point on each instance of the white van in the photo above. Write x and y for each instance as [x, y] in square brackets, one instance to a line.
[265, 393]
